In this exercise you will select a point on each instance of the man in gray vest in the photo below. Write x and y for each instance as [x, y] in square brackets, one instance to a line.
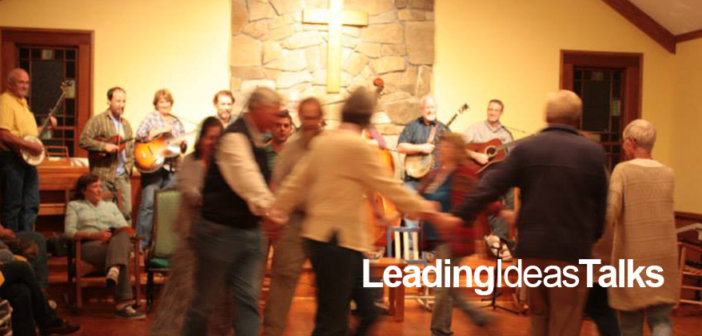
[227, 239]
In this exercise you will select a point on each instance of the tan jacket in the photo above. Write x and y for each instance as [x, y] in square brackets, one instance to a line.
[333, 179]
[102, 126]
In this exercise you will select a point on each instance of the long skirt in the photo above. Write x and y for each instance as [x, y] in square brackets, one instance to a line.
[176, 296]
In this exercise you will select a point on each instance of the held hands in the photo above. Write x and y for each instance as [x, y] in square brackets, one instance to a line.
[445, 223]
[273, 223]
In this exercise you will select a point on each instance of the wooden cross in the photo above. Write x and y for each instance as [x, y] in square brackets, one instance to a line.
[335, 17]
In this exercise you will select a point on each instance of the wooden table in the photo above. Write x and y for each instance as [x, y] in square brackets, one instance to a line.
[396, 296]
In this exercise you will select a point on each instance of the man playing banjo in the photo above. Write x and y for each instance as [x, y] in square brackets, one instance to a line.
[419, 138]
[20, 181]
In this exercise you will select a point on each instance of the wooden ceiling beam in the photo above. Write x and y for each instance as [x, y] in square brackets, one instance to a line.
[695, 34]
[644, 22]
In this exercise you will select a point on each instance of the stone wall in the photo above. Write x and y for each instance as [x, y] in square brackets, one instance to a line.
[271, 46]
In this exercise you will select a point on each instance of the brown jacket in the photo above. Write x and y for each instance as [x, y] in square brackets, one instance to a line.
[101, 126]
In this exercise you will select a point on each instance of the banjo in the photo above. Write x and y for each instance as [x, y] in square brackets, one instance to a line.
[35, 160]
[418, 165]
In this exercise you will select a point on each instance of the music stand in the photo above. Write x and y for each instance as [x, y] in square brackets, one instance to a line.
[493, 297]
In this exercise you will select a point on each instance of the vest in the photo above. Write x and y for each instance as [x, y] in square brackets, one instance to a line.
[220, 204]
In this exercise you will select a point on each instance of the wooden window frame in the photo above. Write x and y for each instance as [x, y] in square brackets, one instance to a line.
[12, 37]
[632, 63]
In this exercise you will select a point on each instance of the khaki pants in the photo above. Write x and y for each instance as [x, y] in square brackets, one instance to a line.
[124, 186]
[114, 253]
[288, 257]
[556, 311]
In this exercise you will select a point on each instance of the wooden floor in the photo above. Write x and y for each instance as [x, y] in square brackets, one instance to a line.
[98, 320]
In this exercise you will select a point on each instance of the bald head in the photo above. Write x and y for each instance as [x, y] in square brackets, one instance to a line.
[563, 107]
[428, 108]
[18, 82]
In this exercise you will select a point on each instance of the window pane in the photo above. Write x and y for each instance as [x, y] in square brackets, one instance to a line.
[70, 69]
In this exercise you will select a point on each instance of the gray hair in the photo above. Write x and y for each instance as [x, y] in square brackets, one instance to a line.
[263, 96]
[423, 101]
[563, 106]
[359, 108]
[641, 131]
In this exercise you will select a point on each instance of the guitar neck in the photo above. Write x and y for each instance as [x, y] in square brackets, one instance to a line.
[510, 144]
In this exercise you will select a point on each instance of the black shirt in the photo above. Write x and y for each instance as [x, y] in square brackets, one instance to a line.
[563, 186]
[417, 132]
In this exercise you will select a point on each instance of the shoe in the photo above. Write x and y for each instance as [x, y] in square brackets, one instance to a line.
[505, 254]
[59, 327]
[493, 243]
[130, 313]
[112, 276]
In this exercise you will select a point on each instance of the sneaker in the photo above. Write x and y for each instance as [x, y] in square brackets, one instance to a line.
[130, 313]
[59, 327]
[505, 254]
[493, 243]
[112, 276]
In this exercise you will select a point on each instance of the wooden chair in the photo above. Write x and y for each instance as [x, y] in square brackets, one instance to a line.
[163, 242]
[690, 271]
[82, 274]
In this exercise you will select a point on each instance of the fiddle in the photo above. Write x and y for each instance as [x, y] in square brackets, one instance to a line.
[116, 140]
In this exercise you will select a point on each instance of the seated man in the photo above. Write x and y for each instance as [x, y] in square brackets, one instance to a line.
[89, 217]
[29, 306]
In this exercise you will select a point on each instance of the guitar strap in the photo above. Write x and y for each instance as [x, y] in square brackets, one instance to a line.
[432, 134]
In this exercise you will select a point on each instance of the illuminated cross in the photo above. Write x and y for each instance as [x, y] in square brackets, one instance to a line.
[335, 17]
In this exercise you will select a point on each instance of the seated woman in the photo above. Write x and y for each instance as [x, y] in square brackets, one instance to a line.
[89, 217]
[30, 309]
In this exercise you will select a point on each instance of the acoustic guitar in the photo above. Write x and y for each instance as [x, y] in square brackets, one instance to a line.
[495, 150]
[419, 165]
[149, 156]
[35, 160]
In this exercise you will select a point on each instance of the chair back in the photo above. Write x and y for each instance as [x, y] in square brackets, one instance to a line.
[401, 236]
[166, 209]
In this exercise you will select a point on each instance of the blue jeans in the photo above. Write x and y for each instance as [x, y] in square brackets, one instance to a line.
[658, 318]
[225, 256]
[20, 191]
[411, 223]
[150, 183]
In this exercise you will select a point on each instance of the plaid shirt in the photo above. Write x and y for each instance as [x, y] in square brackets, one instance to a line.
[154, 121]
[101, 125]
